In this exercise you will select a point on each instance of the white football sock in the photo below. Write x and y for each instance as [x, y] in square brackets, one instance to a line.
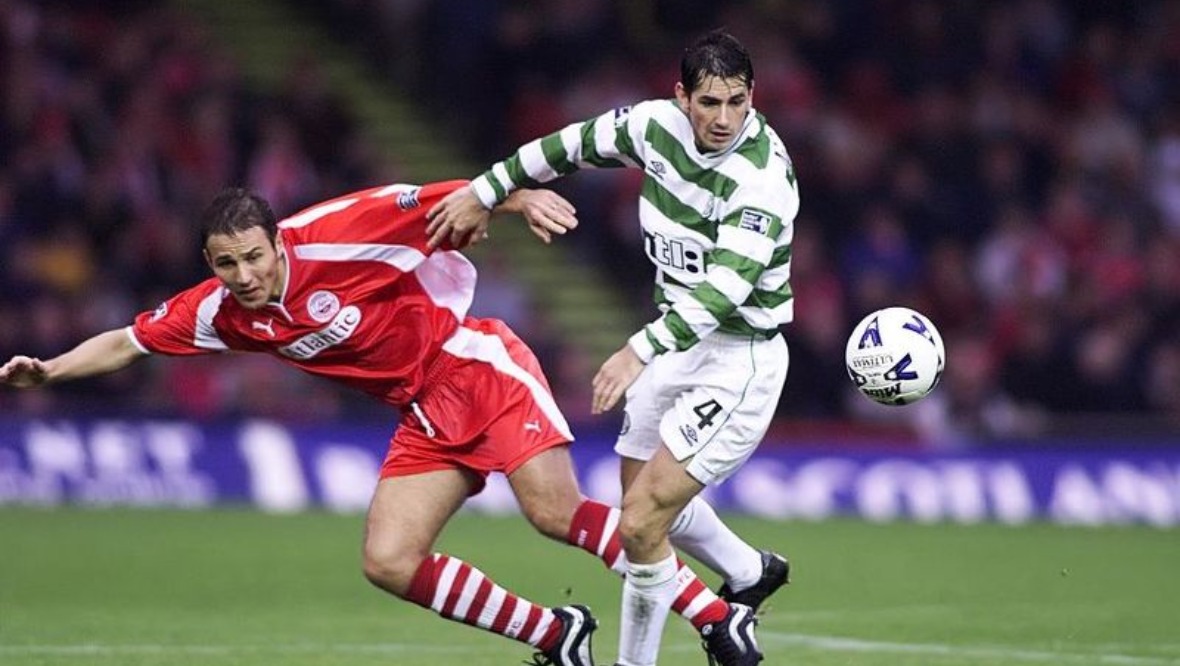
[699, 532]
[648, 592]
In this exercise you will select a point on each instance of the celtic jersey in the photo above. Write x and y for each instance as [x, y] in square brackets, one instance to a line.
[717, 226]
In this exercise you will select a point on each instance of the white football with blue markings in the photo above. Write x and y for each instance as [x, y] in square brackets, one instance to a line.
[895, 356]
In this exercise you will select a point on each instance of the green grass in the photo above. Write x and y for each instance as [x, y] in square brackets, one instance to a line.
[227, 588]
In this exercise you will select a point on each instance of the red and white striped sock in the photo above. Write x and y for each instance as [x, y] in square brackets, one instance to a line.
[460, 592]
[595, 529]
[694, 601]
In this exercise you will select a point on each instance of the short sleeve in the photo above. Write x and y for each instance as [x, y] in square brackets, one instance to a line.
[183, 324]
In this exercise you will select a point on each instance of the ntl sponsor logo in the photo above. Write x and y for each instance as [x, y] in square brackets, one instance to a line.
[341, 328]
[674, 253]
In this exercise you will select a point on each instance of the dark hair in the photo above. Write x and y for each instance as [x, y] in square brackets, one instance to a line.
[235, 210]
[718, 53]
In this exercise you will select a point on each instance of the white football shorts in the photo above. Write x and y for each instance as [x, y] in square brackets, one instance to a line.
[712, 402]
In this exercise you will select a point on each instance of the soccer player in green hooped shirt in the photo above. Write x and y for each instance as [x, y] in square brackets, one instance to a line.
[703, 379]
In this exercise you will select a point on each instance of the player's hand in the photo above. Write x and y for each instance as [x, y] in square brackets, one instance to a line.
[460, 217]
[546, 211]
[24, 372]
[614, 378]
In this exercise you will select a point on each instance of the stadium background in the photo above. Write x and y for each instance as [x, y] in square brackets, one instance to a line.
[1010, 168]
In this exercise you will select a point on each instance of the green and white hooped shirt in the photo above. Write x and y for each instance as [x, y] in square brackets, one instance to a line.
[718, 226]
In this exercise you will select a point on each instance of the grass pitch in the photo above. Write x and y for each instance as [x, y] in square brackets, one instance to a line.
[222, 588]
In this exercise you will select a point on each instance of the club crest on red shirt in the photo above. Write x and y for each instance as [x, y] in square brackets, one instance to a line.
[322, 306]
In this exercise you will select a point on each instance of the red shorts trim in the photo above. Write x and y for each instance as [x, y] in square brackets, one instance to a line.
[491, 412]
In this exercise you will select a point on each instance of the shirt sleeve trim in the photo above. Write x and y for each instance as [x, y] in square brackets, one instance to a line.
[641, 344]
[485, 192]
[135, 340]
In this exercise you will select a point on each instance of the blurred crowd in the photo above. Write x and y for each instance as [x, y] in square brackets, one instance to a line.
[1010, 168]
[119, 122]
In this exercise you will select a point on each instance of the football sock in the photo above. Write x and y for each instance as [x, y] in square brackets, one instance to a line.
[595, 529]
[648, 591]
[460, 592]
[699, 532]
[694, 601]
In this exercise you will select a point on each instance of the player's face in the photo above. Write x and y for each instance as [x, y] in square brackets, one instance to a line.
[249, 265]
[717, 110]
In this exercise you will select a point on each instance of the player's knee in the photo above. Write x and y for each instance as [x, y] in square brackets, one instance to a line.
[552, 518]
[637, 529]
[391, 568]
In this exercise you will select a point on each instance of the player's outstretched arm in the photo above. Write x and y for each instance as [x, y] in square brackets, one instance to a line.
[103, 353]
[546, 212]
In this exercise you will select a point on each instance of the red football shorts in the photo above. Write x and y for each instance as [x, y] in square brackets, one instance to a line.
[490, 411]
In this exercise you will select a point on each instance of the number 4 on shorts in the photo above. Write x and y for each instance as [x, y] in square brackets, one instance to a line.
[707, 411]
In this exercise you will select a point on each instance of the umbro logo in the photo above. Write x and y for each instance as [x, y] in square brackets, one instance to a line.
[657, 168]
[533, 425]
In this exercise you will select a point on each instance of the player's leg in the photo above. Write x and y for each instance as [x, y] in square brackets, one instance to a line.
[655, 577]
[524, 434]
[664, 484]
[546, 489]
[595, 526]
[542, 476]
[725, 396]
[595, 529]
[697, 531]
[528, 437]
[750, 575]
[405, 517]
[495, 410]
[715, 427]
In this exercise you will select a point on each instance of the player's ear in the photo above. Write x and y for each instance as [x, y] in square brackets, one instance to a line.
[207, 256]
[682, 96]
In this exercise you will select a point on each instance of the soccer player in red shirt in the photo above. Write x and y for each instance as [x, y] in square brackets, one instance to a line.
[350, 290]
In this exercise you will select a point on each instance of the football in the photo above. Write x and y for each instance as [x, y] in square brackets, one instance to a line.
[895, 356]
